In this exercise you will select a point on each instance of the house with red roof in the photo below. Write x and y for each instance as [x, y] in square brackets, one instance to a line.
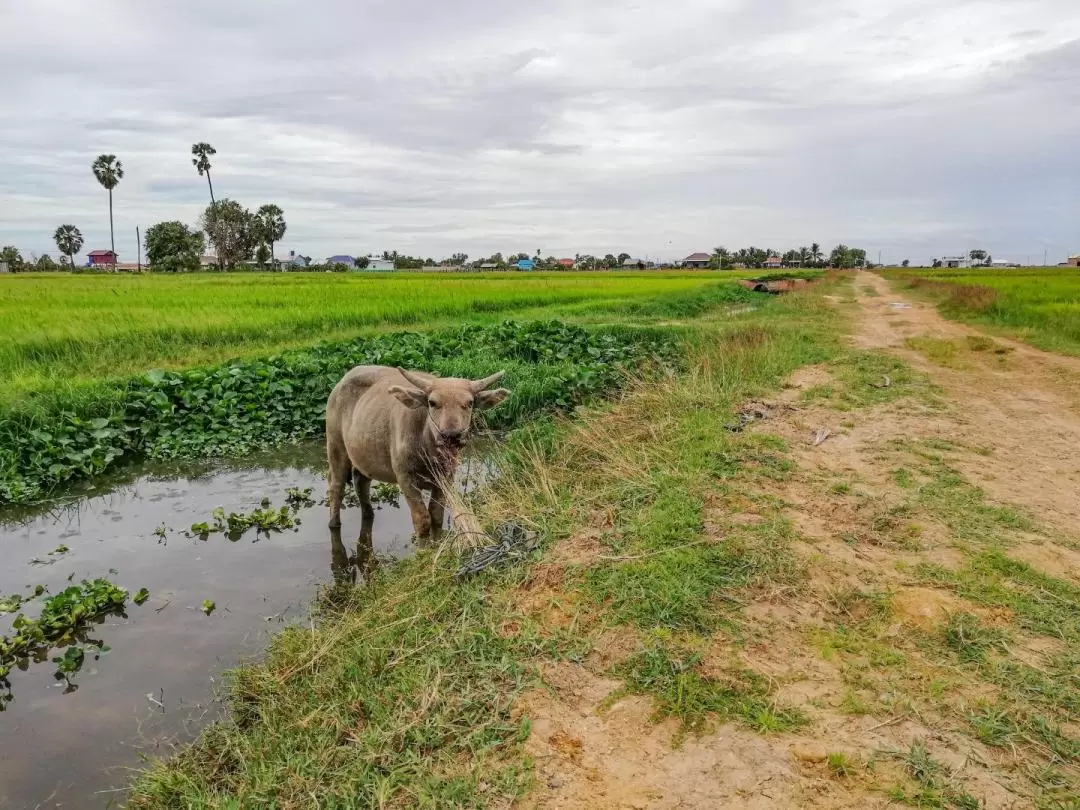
[101, 258]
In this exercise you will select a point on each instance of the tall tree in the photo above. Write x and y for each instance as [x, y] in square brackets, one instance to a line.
[202, 152]
[230, 228]
[69, 241]
[805, 256]
[109, 171]
[173, 247]
[840, 256]
[270, 226]
[977, 256]
[815, 253]
[10, 256]
[721, 258]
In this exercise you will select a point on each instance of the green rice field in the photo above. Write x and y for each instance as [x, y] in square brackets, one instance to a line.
[59, 332]
[1040, 305]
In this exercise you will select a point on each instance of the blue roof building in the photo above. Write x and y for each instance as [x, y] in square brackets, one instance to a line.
[349, 260]
[526, 264]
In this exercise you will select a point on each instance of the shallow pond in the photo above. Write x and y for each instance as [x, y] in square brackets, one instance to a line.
[156, 686]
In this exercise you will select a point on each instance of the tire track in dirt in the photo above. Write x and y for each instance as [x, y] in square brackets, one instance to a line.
[1023, 405]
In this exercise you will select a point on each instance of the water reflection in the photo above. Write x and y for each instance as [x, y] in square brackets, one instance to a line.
[355, 568]
[156, 686]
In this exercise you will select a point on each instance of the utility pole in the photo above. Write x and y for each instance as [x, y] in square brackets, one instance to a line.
[138, 246]
[1045, 251]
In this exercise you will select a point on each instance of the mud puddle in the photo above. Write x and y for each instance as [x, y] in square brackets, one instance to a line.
[156, 685]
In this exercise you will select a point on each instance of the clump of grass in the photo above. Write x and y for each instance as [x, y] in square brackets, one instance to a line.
[840, 764]
[866, 378]
[938, 350]
[681, 691]
[934, 785]
[969, 638]
[963, 508]
[1041, 603]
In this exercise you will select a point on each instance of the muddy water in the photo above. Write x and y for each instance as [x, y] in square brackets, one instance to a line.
[156, 686]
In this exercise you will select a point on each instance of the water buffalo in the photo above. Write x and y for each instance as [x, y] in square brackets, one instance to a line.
[401, 427]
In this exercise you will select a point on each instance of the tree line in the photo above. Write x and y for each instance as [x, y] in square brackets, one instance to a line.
[236, 234]
[754, 257]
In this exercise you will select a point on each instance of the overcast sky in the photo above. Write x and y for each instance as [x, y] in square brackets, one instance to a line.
[658, 127]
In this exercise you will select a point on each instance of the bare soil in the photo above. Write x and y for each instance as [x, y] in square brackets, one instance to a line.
[1008, 418]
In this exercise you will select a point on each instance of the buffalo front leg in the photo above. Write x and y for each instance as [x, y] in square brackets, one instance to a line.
[437, 513]
[414, 497]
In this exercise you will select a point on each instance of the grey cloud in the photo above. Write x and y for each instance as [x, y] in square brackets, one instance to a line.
[475, 125]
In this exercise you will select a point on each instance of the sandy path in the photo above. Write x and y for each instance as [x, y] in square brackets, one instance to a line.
[1013, 414]
[1024, 405]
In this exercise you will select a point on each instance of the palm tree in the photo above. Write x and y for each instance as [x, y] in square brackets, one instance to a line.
[804, 257]
[201, 162]
[109, 171]
[815, 252]
[270, 223]
[69, 241]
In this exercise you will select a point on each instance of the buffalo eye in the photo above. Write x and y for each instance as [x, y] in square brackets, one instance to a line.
[432, 403]
[469, 404]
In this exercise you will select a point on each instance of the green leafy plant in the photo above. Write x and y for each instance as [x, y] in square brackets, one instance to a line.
[244, 405]
[64, 620]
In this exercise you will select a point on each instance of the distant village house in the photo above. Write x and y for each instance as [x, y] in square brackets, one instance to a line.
[700, 260]
[101, 258]
[1074, 261]
[378, 265]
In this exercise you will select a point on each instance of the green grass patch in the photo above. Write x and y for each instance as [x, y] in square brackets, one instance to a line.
[1041, 603]
[680, 690]
[62, 333]
[933, 785]
[866, 378]
[1040, 305]
[403, 696]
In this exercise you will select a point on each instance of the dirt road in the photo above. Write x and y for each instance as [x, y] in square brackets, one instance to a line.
[900, 512]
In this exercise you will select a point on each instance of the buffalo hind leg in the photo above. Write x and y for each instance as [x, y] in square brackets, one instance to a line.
[362, 485]
[340, 471]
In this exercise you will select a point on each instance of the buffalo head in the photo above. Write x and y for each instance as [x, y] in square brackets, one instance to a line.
[450, 403]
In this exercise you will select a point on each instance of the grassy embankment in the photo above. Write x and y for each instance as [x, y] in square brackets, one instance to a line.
[1040, 305]
[408, 692]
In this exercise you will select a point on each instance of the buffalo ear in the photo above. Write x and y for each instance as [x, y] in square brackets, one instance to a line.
[409, 397]
[489, 399]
